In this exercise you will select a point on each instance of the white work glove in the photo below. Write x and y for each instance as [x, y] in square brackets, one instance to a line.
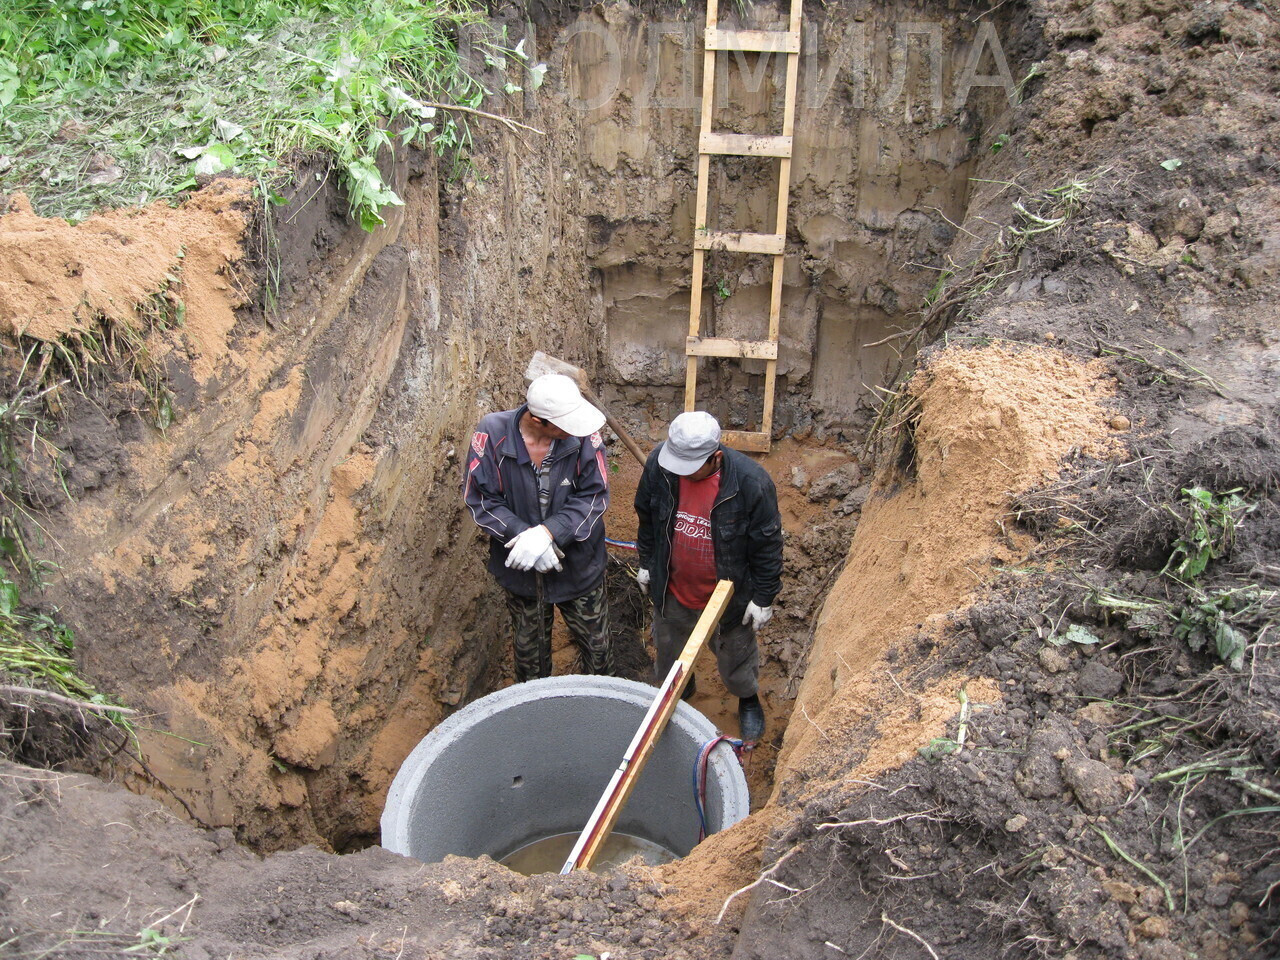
[527, 547]
[757, 616]
[548, 561]
[642, 578]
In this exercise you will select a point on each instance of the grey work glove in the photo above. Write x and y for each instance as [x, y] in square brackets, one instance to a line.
[549, 560]
[757, 616]
[527, 547]
[642, 578]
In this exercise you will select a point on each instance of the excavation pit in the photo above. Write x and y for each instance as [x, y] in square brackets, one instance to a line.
[529, 763]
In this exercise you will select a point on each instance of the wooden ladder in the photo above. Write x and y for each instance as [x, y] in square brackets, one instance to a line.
[711, 144]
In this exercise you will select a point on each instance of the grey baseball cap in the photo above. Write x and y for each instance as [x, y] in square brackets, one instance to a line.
[691, 439]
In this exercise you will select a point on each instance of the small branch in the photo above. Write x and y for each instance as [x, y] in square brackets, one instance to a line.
[893, 336]
[884, 918]
[510, 124]
[69, 701]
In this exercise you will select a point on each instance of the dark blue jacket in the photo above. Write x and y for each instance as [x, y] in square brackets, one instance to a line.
[500, 488]
[746, 530]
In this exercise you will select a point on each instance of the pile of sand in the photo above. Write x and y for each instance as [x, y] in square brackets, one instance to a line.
[59, 280]
[993, 422]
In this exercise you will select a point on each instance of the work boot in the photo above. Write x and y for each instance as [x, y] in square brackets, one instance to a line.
[750, 718]
[690, 689]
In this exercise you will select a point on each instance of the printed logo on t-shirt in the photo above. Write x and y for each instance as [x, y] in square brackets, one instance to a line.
[696, 528]
[478, 441]
[596, 441]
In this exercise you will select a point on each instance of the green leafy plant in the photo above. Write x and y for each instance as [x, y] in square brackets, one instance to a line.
[108, 102]
[722, 290]
[1217, 619]
[1211, 520]
[37, 648]
[1000, 142]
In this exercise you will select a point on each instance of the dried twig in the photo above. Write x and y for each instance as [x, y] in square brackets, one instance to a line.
[893, 336]
[188, 906]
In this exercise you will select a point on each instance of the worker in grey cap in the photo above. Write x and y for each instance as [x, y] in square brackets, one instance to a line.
[536, 481]
[709, 513]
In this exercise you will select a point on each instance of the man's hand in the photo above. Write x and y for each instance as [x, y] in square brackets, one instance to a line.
[642, 578]
[527, 547]
[548, 561]
[757, 616]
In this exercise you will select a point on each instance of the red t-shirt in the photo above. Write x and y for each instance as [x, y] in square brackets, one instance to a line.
[693, 555]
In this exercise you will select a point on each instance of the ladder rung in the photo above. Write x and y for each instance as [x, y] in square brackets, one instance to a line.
[744, 145]
[754, 441]
[761, 41]
[774, 243]
[724, 347]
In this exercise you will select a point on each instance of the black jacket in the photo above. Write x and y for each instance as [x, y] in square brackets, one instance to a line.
[746, 530]
[501, 490]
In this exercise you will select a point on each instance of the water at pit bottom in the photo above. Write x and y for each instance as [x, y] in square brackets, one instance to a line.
[549, 854]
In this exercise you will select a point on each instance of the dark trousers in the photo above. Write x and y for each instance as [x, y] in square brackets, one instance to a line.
[734, 645]
[587, 618]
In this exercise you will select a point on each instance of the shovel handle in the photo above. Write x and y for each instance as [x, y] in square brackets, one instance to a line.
[614, 425]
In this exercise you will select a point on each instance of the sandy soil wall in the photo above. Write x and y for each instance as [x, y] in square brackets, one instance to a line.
[285, 575]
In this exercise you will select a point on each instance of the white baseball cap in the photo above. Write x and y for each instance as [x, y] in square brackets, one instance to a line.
[691, 439]
[555, 397]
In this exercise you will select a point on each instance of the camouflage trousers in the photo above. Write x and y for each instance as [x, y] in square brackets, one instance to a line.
[587, 618]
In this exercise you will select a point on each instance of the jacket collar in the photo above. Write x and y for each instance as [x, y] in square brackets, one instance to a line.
[512, 445]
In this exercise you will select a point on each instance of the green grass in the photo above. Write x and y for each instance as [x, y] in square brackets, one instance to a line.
[112, 102]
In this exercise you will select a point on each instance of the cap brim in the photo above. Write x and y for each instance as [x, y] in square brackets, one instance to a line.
[580, 422]
[678, 465]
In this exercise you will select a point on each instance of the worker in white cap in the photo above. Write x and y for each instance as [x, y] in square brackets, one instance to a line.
[537, 482]
[710, 513]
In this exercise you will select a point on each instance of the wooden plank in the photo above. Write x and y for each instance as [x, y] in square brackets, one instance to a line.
[700, 207]
[744, 145]
[760, 41]
[616, 794]
[740, 242]
[724, 347]
[770, 384]
[753, 441]
[780, 225]
[695, 322]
